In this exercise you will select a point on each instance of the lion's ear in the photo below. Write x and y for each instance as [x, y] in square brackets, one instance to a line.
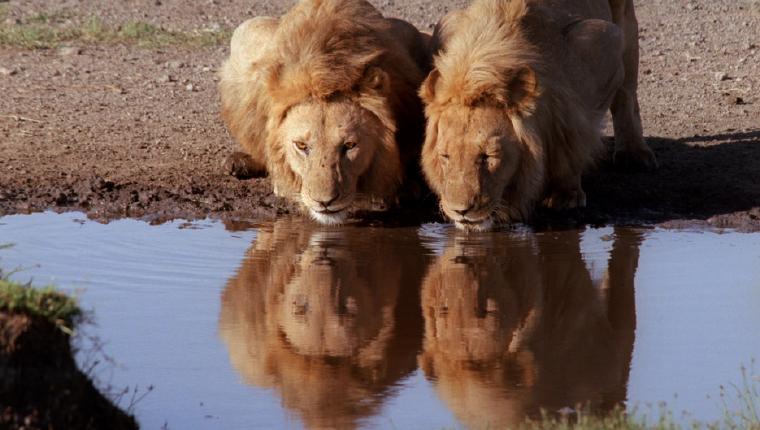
[427, 90]
[375, 79]
[522, 91]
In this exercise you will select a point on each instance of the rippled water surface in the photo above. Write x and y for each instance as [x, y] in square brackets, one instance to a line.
[290, 325]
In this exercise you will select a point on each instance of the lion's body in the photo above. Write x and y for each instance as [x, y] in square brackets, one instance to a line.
[545, 72]
[338, 59]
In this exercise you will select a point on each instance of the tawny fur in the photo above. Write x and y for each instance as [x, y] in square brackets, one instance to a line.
[520, 56]
[307, 316]
[327, 51]
[516, 324]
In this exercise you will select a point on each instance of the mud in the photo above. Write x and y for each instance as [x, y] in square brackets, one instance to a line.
[124, 131]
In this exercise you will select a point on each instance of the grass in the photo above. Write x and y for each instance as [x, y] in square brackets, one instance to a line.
[43, 31]
[740, 404]
[55, 306]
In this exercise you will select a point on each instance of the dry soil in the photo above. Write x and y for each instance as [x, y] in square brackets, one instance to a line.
[124, 130]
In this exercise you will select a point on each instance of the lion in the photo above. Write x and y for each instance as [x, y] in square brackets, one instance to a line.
[515, 104]
[325, 318]
[324, 100]
[515, 325]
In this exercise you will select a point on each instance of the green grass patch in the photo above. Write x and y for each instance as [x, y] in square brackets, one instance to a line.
[43, 31]
[49, 303]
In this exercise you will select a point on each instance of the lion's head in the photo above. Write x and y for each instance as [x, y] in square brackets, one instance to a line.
[500, 121]
[331, 152]
[327, 96]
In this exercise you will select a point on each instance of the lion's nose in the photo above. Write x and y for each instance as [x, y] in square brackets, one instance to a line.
[326, 203]
[464, 212]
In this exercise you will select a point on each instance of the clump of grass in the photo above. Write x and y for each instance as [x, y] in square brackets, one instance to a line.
[44, 31]
[55, 306]
[740, 404]
[618, 419]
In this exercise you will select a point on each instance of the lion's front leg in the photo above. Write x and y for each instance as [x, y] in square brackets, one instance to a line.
[631, 151]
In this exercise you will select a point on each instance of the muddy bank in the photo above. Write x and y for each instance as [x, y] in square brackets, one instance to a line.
[702, 181]
[126, 131]
[40, 384]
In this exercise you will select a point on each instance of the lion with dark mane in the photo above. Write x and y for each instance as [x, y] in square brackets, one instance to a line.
[515, 104]
[324, 100]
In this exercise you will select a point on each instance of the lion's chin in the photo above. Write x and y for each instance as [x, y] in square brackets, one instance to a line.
[484, 225]
[329, 218]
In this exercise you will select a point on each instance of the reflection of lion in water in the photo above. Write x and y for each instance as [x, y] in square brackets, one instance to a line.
[316, 315]
[516, 100]
[515, 326]
[325, 100]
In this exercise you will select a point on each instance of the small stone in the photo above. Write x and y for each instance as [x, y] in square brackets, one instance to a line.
[175, 64]
[67, 51]
[190, 87]
[7, 72]
[165, 79]
[12, 21]
[721, 76]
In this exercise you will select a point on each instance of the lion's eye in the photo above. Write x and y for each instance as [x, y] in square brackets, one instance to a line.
[349, 145]
[301, 146]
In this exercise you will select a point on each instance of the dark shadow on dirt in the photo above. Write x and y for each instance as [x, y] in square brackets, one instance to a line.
[712, 180]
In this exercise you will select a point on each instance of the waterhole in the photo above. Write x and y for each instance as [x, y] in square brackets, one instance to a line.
[292, 325]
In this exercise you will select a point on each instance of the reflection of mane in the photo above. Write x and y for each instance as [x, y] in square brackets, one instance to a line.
[315, 315]
[515, 326]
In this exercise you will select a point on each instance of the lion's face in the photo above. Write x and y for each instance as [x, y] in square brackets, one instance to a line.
[330, 145]
[469, 159]
[327, 308]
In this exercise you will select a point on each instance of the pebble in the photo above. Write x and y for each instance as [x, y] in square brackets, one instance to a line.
[721, 76]
[190, 87]
[175, 64]
[7, 72]
[165, 79]
[68, 51]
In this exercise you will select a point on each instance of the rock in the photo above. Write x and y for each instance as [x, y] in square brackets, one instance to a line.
[165, 79]
[190, 87]
[175, 64]
[721, 76]
[7, 72]
[67, 51]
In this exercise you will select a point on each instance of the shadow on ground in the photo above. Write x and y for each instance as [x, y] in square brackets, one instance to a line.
[701, 179]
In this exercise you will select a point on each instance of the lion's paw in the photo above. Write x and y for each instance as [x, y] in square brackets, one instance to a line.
[242, 166]
[638, 160]
[565, 199]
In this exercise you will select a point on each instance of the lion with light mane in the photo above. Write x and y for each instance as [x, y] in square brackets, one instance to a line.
[515, 104]
[324, 99]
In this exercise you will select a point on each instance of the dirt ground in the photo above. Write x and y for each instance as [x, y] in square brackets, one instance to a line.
[122, 130]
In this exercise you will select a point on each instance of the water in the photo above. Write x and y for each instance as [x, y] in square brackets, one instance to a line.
[289, 325]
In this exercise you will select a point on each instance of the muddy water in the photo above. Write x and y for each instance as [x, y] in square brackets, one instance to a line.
[289, 325]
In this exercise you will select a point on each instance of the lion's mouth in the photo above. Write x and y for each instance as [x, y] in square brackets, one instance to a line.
[329, 216]
[469, 224]
[329, 211]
